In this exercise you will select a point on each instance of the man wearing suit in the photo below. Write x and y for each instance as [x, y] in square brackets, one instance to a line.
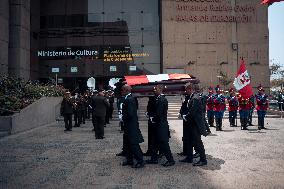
[99, 105]
[162, 132]
[132, 132]
[66, 110]
[195, 121]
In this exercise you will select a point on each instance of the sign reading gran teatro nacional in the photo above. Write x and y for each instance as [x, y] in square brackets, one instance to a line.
[206, 37]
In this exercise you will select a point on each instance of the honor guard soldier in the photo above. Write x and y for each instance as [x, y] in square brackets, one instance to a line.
[219, 107]
[210, 107]
[66, 110]
[251, 109]
[261, 106]
[77, 110]
[132, 132]
[162, 129]
[151, 108]
[183, 111]
[280, 99]
[244, 111]
[233, 107]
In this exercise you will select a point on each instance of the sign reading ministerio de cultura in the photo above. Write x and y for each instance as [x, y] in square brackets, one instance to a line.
[68, 52]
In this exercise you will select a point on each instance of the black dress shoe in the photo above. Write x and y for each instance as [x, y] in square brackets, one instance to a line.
[181, 154]
[138, 165]
[169, 163]
[186, 160]
[150, 161]
[121, 154]
[200, 163]
[196, 155]
[125, 163]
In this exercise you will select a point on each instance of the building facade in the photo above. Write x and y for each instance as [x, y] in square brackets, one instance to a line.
[77, 39]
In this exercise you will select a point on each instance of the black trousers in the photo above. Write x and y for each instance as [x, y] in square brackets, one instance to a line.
[196, 142]
[151, 137]
[84, 115]
[133, 151]
[164, 148]
[110, 111]
[68, 121]
[281, 106]
[78, 117]
[98, 123]
[185, 135]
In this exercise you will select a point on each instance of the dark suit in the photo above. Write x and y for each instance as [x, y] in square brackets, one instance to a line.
[162, 132]
[184, 111]
[99, 105]
[151, 108]
[66, 110]
[132, 132]
[196, 124]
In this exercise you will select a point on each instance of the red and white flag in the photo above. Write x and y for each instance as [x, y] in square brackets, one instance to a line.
[242, 81]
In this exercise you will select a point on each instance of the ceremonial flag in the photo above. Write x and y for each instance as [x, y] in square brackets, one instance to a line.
[242, 81]
[144, 79]
[270, 1]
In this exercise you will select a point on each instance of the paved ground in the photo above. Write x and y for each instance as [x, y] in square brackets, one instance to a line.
[47, 157]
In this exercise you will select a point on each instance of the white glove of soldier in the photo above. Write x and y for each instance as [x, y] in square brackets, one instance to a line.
[151, 119]
[120, 115]
[146, 114]
[179, 116]
[184, 117]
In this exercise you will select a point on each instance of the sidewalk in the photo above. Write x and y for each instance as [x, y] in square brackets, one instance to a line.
[47, 157]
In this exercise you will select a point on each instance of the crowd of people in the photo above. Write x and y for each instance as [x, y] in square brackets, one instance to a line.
[97, 104]
[193, 112]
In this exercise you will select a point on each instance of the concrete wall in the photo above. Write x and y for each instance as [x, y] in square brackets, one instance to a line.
[199, 46]
[40, 113]
[4, 36]
[19, 39]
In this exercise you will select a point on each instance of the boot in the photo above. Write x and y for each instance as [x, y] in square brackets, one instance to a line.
[245, 120]
[242, 123]
[217, 124]
[262, 123]
[231, 121]
[211, 122]
[220, 124]
[259, 123]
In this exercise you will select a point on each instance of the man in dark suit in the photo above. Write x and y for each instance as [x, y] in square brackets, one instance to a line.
[196, 124]
[162, 133]
[66, 110]
[99, 105]
[132, 132]
[151, 108]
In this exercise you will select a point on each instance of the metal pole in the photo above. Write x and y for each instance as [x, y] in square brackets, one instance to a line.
[56, 79]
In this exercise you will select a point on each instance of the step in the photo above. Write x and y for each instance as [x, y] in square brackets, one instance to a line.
[4, 133]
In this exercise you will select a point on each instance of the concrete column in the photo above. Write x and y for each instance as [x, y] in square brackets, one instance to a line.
[4, 36]
[19, 39]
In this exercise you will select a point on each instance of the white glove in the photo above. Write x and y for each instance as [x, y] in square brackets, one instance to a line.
[179, 116]
[151, 119]
[184, 117]
[146, 114]
[120, 115]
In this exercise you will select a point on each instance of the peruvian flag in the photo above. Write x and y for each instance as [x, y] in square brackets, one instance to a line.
[144, 79]
[270, 1]
[242, 81]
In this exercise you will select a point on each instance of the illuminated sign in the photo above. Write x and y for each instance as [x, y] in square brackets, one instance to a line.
[112, 68]
[55, 70]
[74, 69]
[122, 56]
[132, 68]
[67, 52]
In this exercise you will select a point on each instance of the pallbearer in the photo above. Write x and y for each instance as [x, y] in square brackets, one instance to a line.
[210, 107]
[219, 107]
[233, 107]
[261, 106]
